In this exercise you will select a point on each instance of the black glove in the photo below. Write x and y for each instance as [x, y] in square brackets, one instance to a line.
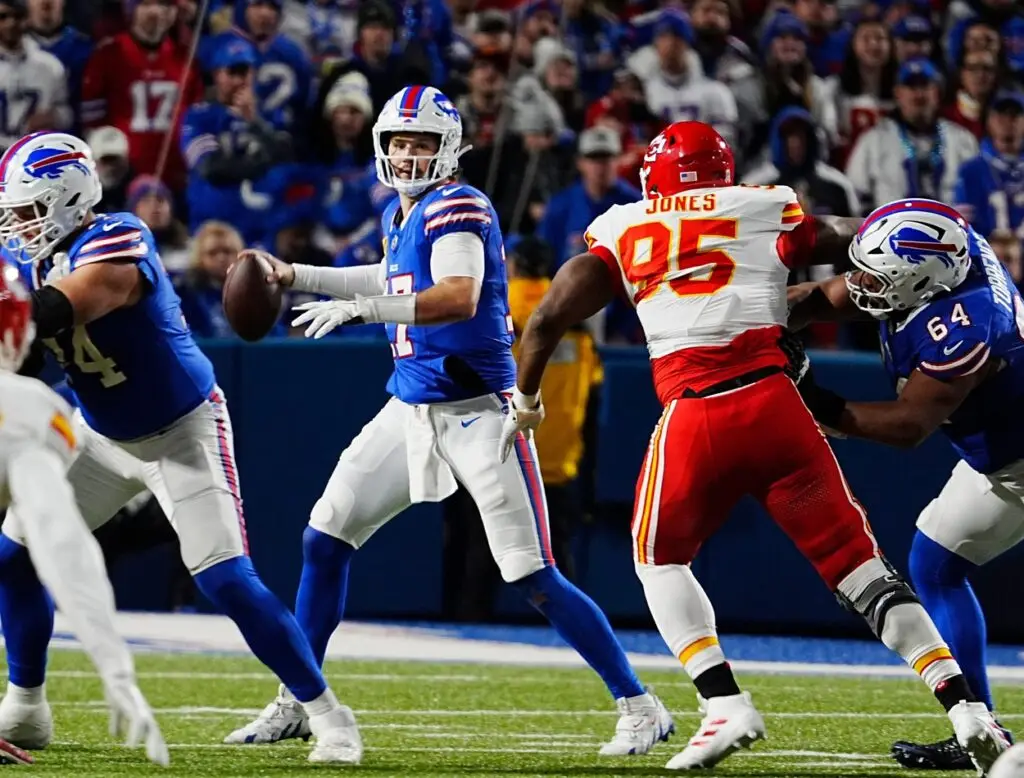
[825, 405]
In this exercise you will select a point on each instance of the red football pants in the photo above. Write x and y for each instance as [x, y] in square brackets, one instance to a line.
[759, 440]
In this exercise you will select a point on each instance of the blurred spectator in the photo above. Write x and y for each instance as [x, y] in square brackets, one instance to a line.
[914, 38]
[865, 85]
[571, 211]
[377, 57]
[727, 59]
[497, 163]
[33, 83]
[324, 29]
[990, 192]
[489, 32]
[915, 153]
[537, 19]
[974, 84]
[674, 81]
[110, 150]
[229, 148]
[796, 162]
[132, 82]
[349, 210]
[825, 44]
[593, 36]
[625, 110]
[47, 27]
[1009, 249]
[284, 75]
[970, 36]
[790, 78]
[214, 248]
[552, 90]
[151, 200]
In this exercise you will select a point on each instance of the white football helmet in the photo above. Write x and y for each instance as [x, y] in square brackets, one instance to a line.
[48, 184]
[905, 253]
[1010, 764]
[419, 109]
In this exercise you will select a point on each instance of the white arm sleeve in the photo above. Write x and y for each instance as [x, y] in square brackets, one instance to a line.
[457, 254]
[67, 557]
[343, 283]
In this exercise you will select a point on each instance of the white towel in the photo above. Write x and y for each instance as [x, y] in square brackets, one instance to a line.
[430, 477]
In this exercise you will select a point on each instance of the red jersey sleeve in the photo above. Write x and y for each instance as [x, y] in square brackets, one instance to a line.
[798, 238]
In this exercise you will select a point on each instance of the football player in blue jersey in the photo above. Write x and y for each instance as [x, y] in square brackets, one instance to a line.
[952, 337]
[442, 292]
[150, 415]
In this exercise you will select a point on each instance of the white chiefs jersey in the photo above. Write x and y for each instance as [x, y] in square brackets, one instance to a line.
[31, 80]
[31, 414]
[707, 272]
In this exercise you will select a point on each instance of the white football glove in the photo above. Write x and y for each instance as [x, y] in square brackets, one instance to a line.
[324, 316]
[525, 413]
[61, 268]
[132, 718]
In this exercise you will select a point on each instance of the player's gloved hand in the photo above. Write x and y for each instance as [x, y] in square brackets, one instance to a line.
[825, 405]
[132, 718]
[61, 267]
[324, 316]
[277, 271]
[525, 413]
[792, 346]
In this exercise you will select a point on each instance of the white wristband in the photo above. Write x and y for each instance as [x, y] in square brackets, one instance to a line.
[525, 401]
[393, 308]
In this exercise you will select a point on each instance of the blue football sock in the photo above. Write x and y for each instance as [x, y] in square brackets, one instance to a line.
[581, 624]
[268, 627]
[320, 602]
[940, 580]
[26, 612]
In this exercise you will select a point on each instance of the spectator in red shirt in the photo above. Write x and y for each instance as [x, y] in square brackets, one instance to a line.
[133, 81]
[975, 84]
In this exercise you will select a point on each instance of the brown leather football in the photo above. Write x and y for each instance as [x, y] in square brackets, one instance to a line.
[252, 306]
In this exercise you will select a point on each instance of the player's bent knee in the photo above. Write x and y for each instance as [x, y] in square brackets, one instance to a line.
[873, 590]
[539, 586]
[227, 583]
[519, 565]
[331, 516]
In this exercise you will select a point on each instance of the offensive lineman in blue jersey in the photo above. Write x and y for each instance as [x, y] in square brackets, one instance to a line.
[952, 337]
[150, 416]
[441, 290]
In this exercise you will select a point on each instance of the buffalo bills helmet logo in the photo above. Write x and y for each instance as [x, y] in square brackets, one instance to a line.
[51, 163]
[915, 246]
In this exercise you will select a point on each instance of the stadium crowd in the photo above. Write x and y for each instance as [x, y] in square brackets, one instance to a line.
[264, 138]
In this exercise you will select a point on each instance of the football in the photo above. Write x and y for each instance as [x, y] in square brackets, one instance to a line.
[252, 306]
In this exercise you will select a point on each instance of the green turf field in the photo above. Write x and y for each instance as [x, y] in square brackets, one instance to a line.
[431, 719]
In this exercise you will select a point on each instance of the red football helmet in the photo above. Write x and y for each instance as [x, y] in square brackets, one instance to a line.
[686, 155]
[16, 327]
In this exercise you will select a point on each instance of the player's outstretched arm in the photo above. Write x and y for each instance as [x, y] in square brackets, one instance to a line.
[923, 405]
[86, 294]
[832, 239]
[582, 287]
[341, 283]
[828, 300]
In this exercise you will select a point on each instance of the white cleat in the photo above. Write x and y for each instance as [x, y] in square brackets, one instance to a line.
[337, 737]
[729, 724]
[643, 723]
[282, 719]
[27, 725]
[978, 733]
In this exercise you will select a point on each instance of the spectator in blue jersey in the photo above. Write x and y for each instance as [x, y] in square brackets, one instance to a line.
[377, 56]
[826, 46]
[230, 150]
[537, 19]
[571, 211]
[345, 154]
[990, 190]
[914, 38]
[46, 26]
[324, 29]
[151, 200]
[214, 248]
[428, 35]
[595, 38]
[284, 75]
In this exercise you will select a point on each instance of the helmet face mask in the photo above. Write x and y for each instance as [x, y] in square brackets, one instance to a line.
[905, 254]
[413, 112]
[48, 186]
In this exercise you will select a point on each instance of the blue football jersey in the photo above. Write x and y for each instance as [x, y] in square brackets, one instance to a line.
[979, 322]
[990, 191]
[136, 370]
[448, 362]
